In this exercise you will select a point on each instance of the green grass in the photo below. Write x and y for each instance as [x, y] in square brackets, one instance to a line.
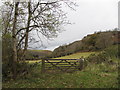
[73, 56]
[93, 76]
[77, 55]
[79, 79]
[33, 61]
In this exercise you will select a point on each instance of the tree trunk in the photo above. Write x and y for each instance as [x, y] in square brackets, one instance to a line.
[27, 30]
[14, 40]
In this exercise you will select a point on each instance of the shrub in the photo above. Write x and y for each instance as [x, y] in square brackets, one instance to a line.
[112, 51]
[104, 56]
[22, 68]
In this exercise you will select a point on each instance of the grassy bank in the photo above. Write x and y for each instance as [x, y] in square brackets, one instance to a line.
[89, 78]
[93, 76]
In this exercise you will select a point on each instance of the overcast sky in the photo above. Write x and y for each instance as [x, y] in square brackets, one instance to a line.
[90, 16]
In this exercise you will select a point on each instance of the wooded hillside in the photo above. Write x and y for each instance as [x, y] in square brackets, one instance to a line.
[92, 42]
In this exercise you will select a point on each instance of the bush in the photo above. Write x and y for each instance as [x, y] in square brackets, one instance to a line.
[112, 51]
[7, 63]
[22, 69]
[105, 56]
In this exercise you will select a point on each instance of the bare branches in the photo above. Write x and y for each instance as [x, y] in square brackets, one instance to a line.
[45, 17]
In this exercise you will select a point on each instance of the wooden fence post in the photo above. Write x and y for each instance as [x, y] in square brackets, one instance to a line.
[81, 64]
[43, 66]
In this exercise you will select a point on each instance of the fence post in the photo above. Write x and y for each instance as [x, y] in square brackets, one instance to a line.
[81, 64]
[43, 66]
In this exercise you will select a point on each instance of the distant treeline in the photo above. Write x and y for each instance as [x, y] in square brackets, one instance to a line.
[93, 42]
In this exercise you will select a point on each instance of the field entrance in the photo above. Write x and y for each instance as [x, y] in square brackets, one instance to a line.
[64, 65]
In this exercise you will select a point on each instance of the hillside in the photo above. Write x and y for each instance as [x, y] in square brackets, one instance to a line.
[37, 54]
[93, 42]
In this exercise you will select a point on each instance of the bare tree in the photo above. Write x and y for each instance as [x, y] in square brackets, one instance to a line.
[14, 39]
[44, 17]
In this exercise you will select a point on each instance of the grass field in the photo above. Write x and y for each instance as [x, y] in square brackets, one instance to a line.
[73, 56]
[77, 55]
[33, 61]
[93, 76]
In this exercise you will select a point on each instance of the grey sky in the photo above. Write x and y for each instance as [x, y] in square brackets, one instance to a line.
[90, 16]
